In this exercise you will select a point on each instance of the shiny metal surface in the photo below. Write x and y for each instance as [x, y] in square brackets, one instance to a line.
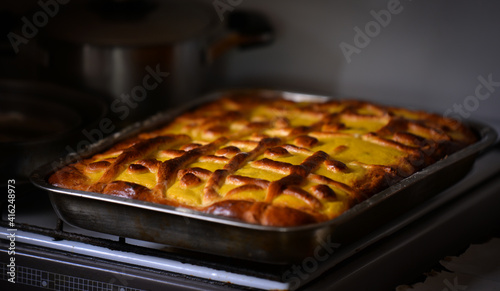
[206, 233]
[168, 55]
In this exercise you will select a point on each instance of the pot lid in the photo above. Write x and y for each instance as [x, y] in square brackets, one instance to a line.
[131, 22]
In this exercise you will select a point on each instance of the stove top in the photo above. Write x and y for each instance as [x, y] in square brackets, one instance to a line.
[51, 255]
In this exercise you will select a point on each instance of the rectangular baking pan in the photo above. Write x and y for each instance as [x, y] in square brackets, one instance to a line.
[206, 233]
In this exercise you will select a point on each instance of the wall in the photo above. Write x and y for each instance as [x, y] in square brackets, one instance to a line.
[429, 55]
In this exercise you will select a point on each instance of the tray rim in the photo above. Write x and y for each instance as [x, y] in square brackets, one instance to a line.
[487, 136]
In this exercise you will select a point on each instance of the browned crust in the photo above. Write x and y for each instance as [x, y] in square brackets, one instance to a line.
[137, 151]
[262, 213]
[169, 168]
[69, 177]
[126, 190]
[236, 162]
[423, 138]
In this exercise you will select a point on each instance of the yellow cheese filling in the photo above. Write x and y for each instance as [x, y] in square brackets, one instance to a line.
[346, 132]
[357, 149]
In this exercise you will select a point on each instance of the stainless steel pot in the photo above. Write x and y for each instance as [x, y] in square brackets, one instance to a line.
[144, 56]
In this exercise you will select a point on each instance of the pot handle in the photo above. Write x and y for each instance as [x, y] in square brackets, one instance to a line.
[247, 29]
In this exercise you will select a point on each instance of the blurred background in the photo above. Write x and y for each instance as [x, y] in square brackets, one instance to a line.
[429, 55]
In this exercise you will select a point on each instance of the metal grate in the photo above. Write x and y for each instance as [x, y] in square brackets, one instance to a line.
[60, 282]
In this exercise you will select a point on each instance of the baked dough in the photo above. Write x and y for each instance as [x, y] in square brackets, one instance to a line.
[270, 161]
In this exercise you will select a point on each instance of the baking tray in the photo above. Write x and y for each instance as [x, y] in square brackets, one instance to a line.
[200, 232]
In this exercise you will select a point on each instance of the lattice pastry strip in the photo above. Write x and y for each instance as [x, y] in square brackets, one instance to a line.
[270, 161]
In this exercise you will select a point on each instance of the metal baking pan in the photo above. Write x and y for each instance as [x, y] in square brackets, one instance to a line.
[206, 233]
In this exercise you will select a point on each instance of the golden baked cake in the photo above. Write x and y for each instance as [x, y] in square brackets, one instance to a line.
[270, 161]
